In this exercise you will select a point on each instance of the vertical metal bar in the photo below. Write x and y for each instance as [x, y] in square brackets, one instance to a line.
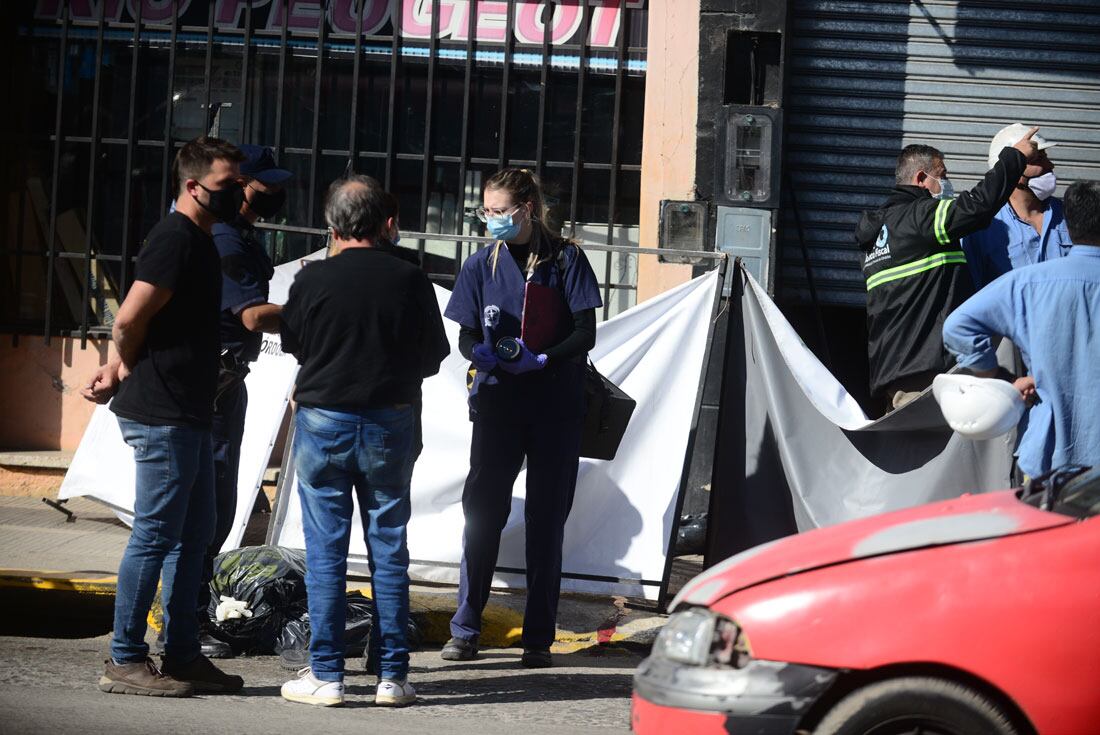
[685, 473]
[281, 83]
[93, 155]
[464, 152]
[315, 147]
[509, 43]
[578, 126]
[284, 483]
[396, 7]
[243, 136]
[66, 19]
[353, 140]
[208, 68]
[127, 188]
[548, 23]
[169, 152]
[426, 172]
[613, 189]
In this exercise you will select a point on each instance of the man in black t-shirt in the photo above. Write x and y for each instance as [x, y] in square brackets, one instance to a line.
[163, 380]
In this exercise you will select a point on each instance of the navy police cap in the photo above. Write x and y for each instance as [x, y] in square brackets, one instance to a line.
[259, 164]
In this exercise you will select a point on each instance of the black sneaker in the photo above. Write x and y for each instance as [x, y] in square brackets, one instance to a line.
[213, 647]
[204, 676]
[294, 659]
[459, 649]
[536, 658]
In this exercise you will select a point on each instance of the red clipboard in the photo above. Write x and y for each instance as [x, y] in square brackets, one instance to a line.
[544, 317]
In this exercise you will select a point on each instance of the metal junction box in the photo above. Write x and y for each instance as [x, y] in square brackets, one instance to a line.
[746, 233]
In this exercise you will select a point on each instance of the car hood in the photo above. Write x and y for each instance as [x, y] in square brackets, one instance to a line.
[968, 518]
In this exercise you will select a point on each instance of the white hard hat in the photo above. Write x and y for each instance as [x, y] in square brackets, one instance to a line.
[1009, 136]
[978, 408]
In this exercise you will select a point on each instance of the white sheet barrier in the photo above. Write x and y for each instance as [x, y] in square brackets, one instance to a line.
[616, 537]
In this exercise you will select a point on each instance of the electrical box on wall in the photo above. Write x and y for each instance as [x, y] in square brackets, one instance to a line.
[748, 164]
[746, 233]
[683, 226]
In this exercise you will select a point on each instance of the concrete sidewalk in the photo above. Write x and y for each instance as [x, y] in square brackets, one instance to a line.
[62, 565]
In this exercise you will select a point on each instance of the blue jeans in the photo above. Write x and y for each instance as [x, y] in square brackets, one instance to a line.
[372, 452]
[173, 525]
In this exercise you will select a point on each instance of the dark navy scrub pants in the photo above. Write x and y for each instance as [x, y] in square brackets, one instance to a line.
[227, 433]
[496, 456]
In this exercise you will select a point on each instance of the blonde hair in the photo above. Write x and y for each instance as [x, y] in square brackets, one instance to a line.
[524, 187]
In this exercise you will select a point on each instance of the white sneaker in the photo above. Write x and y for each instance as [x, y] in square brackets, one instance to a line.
[394, 693]
[307, 689]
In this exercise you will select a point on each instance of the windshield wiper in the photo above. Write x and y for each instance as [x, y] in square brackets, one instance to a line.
[1051, 484]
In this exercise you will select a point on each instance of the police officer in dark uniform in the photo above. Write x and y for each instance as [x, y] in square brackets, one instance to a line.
[915, 267]
[246, 314]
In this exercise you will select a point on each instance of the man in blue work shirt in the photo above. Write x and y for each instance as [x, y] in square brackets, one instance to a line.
[1049, 311]
[1030, 227]
[246, 313]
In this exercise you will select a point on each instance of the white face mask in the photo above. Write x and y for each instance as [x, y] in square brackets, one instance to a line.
[1043, 186]
[947, 190]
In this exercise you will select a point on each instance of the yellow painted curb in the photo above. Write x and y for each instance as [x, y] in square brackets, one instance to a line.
[57, 581]
[501, 627]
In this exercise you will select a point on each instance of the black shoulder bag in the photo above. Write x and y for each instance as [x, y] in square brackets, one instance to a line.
[607, 408]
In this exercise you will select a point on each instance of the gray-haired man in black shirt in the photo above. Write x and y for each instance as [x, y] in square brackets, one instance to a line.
[366, 328]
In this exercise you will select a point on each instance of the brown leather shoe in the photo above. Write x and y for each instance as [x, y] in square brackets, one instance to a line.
[142, 677]
[205, 677]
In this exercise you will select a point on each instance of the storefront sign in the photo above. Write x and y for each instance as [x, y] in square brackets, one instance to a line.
[341, 17]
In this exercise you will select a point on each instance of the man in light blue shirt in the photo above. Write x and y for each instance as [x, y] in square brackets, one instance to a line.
[1050, 311]
[1029, 228]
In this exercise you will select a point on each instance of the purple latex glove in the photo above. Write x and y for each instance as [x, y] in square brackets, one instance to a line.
[483, 358]
[525, 363]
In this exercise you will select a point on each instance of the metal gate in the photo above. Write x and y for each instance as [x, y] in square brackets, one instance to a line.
[428, 96]
[867, 78]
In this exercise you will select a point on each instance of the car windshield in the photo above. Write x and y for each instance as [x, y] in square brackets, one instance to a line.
[1071, 491]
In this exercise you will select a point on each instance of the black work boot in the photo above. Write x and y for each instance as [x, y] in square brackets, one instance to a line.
[205, 677]
[536, 658]
[142, 677]
[459, 649]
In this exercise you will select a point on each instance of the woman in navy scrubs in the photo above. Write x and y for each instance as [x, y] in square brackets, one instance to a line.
[530, 407]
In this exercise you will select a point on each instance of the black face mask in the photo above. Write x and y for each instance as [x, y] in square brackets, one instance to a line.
[266, 204]
[225, 203]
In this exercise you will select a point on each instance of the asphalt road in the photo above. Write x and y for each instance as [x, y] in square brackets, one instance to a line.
[49, 686]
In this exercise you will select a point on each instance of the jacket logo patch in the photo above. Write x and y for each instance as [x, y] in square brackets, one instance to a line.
[881, 249]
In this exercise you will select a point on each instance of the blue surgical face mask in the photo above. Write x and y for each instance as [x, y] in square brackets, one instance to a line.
[502, 227]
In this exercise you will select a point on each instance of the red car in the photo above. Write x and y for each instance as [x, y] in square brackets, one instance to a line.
[974, 615]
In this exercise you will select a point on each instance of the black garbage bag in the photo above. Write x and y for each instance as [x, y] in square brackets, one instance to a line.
[271, 580]
[357, 625]
[294, 637]
[691, 537]
[292, 644]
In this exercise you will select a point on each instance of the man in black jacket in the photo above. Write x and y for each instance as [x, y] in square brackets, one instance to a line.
[915, 267]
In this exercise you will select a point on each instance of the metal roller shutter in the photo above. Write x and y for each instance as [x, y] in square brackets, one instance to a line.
[867, 78]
